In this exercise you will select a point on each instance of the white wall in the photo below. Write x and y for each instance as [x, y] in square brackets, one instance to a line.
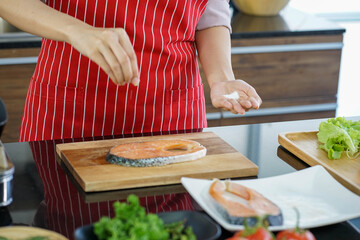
[346, 13]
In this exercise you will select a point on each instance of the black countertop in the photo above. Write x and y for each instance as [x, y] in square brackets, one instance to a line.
[12, 37]
[290, 22]
[36, 168]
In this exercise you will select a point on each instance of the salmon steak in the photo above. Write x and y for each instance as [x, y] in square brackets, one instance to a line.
[155, 153]
[236, 203]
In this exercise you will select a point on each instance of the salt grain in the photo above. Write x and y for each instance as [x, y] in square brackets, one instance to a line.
[234, 95]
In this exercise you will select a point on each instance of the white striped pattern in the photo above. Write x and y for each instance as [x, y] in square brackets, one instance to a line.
[70, 96]
[66, 210]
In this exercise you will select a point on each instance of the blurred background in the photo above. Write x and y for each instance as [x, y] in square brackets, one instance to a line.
[346, 13]
[295, 83]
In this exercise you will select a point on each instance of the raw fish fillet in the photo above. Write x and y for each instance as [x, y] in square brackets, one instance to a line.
[155, 153]
[236, 202]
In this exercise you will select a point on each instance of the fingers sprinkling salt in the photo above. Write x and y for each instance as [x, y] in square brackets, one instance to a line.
[234, 95]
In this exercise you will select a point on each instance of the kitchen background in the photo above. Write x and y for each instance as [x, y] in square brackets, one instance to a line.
[346, 13]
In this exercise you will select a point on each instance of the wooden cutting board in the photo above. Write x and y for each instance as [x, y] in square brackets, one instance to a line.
[25, 232]
[86, 162]
[304, 145]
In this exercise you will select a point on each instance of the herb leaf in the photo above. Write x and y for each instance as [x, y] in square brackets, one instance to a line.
[131, 222]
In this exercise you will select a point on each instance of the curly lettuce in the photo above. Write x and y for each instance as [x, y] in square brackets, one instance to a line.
[338, 135]
[131, 222]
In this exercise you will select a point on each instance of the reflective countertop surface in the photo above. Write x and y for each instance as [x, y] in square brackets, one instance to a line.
[289, 22]
[46, 195]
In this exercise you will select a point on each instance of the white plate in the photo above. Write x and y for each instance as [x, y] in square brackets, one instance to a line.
[320, 199]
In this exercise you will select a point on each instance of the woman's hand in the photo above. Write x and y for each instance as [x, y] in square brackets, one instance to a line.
[247, 97]
[111, 49]
[214, 49]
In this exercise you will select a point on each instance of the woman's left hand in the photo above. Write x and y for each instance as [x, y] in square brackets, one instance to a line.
[247, 96]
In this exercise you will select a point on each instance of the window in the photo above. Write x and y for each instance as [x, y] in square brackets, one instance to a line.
[346, 13]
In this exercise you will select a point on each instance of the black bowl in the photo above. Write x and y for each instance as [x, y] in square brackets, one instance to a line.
[203, 227]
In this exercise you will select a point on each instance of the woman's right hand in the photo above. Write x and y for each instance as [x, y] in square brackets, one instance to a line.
[111, 49]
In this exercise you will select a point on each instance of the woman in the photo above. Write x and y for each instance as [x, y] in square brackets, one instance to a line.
[110, 67]
[119, 67]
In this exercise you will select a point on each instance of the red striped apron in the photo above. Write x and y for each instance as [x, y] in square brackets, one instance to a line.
[64, 209]
[70, 96]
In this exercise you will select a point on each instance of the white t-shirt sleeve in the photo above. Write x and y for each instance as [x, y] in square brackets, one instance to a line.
[217, 13]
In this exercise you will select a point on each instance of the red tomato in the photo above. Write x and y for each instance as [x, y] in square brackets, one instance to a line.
[295, 235]
[260, 234]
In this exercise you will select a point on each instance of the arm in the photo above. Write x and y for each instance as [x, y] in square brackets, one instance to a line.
[214, 50]
[111, 49]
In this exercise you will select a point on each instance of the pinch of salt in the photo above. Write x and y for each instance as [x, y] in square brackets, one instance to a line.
[234, 95]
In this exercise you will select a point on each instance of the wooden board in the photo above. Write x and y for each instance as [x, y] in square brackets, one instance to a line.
[24, 232]
[304, 145]
[86, 162]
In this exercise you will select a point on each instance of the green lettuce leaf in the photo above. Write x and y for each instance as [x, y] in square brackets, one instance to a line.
[131, 222]
[338, 135]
